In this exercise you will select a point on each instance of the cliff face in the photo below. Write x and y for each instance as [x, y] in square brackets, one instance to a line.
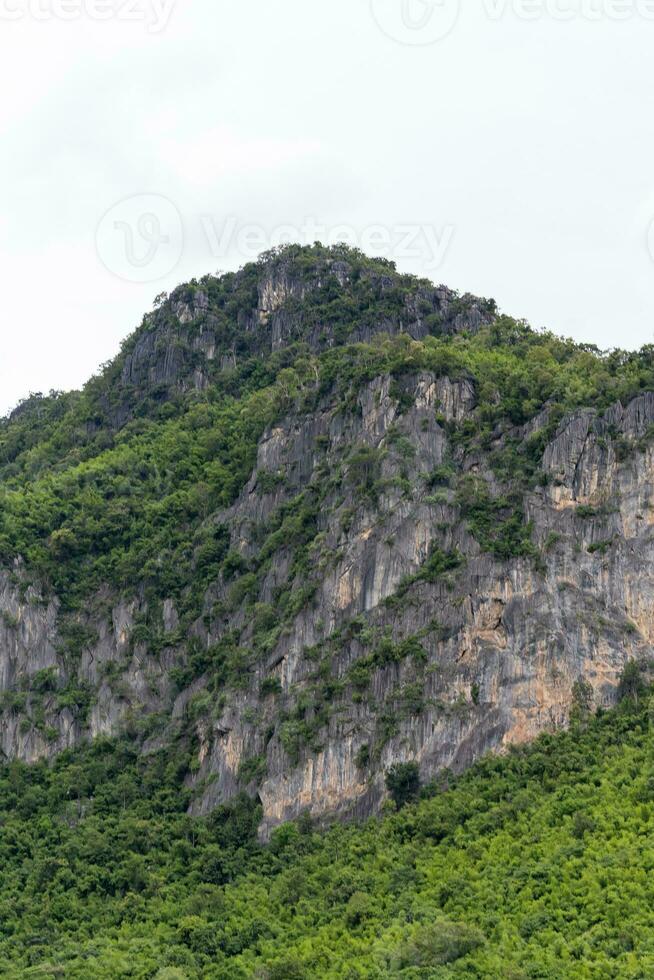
[365, 620]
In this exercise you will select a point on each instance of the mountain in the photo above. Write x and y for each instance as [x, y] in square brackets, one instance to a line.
[318, 520]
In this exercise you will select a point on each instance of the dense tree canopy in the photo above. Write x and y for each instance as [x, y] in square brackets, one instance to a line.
[535, 865]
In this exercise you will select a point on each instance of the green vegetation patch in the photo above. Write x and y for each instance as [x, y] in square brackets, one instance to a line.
[536, 864]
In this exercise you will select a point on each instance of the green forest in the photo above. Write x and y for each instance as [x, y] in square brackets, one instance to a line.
[536, 864]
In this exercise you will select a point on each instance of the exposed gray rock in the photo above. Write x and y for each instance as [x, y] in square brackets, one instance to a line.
[504, 641]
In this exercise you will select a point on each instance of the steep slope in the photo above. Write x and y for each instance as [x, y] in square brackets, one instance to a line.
[318, 519]
[535, 865]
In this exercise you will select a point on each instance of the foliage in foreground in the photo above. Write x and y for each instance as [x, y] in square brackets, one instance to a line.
[535, 865]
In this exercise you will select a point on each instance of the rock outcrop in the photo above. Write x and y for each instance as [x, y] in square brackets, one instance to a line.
[381, 661]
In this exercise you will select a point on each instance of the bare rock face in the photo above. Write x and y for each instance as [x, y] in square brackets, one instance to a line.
[27, 630]
[365, 621]
[512, 639]
[383, 662]
[27, 647]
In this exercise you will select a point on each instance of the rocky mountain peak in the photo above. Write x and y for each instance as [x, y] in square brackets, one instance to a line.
[318, 519]
[312, 296]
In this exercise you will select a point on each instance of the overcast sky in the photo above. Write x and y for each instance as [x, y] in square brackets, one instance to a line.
[505, 148]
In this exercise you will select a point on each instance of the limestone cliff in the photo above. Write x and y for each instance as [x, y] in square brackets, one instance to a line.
[401, 635]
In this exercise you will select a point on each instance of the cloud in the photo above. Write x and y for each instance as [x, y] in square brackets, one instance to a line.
[525, 138]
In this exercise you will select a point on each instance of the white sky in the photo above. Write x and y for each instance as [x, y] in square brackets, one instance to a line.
[517, 150]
